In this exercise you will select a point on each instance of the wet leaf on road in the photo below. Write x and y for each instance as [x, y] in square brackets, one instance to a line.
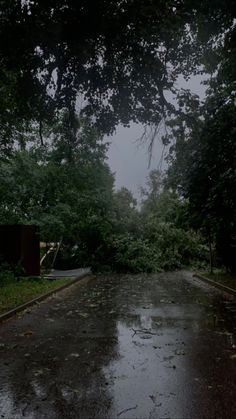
[74, 355]
[27, 333]
[38, 372]
[153, 398]
[145, 337]
[179, 352]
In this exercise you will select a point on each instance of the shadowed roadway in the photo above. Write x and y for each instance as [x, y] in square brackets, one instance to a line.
[122, 346]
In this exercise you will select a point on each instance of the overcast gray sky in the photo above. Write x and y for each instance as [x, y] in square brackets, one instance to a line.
[129, 160]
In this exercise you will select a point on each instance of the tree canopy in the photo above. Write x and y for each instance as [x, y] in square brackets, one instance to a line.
[203, 168]
[114, 60]
[70, 72]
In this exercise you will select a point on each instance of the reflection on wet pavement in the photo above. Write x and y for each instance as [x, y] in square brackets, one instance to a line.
[128, 346]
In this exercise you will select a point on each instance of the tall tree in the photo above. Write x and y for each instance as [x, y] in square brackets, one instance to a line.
[204, 170]
[61, 186]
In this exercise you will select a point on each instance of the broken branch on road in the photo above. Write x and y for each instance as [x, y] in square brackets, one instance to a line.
[142, 331]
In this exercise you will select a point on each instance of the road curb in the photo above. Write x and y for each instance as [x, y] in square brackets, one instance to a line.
[216, 284]
[8, 314]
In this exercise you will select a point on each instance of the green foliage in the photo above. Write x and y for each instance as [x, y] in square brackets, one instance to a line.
[125, 239]
[117, 57]
[125, 214]
[165, 220]
[204, 170]
[14, 293]
[115, 61]
[6, 274]
[132, 254]
[66, 188]
[156, 237]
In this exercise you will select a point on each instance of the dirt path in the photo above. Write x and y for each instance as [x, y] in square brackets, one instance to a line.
[145, 346]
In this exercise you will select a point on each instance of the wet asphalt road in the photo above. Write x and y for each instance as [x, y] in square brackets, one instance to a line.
[145, 346]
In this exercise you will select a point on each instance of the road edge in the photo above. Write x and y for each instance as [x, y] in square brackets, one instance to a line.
[215, 284]
[11, 313]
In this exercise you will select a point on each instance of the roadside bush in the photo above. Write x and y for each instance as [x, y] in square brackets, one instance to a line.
[6, 275]
[175, 247]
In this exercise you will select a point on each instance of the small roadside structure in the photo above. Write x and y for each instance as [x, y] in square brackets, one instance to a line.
[19, 245]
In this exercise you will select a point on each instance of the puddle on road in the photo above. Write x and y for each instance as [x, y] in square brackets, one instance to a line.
[145, 380]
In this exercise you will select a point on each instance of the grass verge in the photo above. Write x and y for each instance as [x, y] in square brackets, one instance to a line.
[14, 293]
[221, 277]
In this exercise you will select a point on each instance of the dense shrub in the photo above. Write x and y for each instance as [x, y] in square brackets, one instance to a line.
[133, 255]
[6, 275]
